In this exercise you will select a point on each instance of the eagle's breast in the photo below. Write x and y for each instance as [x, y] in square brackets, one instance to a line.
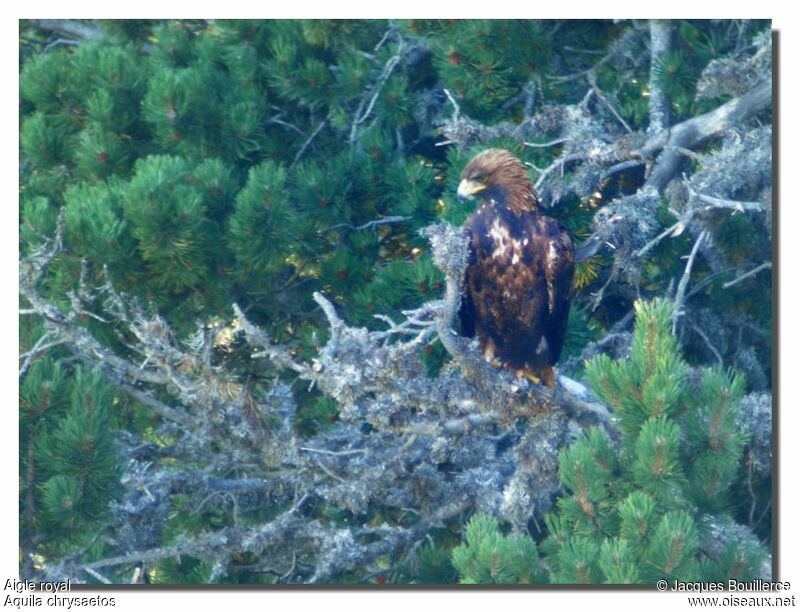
[517, 284]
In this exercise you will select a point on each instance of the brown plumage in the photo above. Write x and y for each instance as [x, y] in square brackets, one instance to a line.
[518, 280]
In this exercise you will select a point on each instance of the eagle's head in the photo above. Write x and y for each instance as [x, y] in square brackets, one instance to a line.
[495, 174]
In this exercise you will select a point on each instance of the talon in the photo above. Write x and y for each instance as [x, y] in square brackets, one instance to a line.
[528, 375]
[546, 377]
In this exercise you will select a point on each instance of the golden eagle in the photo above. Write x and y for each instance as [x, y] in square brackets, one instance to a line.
[518, 280]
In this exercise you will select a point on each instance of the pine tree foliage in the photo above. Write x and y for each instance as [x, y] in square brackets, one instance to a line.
[635, 514]
[71, 459]
[178, 167]
[489, 557]
[678, 455]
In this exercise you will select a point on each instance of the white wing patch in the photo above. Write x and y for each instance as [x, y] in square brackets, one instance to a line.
[552, 258]
[499, 234]
[552, 255]
[503, 242]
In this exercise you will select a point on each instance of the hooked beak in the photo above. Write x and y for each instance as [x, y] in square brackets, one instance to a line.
[468, 188]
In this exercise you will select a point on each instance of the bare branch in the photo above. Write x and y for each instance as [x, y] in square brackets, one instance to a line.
[621, 166]
[654, 242]
[369, 224]
[278, 355]
[376, 377]
[390, 30]
[658, 102]
[597, 92]
[710, 346]
[69, 27]
[334, 321]
[308, 142]
[765, 266]
[584, 51]
[558, 164]
[693, 131]
[277, 120]
[374, 91]
[160, 408]
[598, 295]
[735, 205]
[37, 349]
[82, 340]
[59, 42]
[678, 311]
[541, 145]
[97, 575]
[456, 108]
[353, 451]
[597, 65]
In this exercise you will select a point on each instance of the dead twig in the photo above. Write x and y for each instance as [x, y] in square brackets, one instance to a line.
[592, 78]
[710, 346]
[658, 102]
[542, 145]
[371, 94]
[765, 266]
[307, 142]
[368, 225]
[456, 107]
[678, 311]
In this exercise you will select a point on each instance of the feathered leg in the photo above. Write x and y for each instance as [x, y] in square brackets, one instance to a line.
[548, 376]
[487, 350]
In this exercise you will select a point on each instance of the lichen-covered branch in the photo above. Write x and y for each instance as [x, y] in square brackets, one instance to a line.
[498, 437]
[68, 27]
[691, 132]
